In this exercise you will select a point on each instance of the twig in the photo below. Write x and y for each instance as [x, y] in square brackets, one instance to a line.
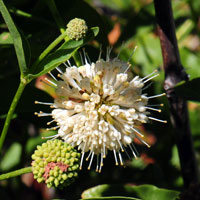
[16, 173]
[14, 103]
[174, 73]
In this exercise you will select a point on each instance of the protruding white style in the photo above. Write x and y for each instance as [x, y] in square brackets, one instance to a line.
[98, 107]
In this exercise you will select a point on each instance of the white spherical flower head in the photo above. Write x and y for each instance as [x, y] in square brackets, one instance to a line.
[98, 107]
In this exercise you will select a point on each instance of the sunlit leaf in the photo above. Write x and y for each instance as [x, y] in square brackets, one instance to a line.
[112, 198]
[62, 54]
[190, 61]
[144, 192]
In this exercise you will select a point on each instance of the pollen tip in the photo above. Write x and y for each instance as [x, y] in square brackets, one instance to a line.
[116, 164]
[43, 138]
[36, 102]
[165, 121]
[122, 150]
[80, 168]
[159, 110]
[88, 168]
[121, 164]
[161, 104]
[86, 159]
[148, 146]
[58, 75]
[104, 156]
[35, 113]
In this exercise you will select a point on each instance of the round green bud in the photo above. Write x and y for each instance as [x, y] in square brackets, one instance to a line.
[52, 163]
[76, 29]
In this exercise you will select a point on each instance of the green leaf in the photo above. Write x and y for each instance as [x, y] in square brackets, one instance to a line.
[191, 61]
[112, 198]
[62, 54]
[144, 192]
[151, 192]
[189, 90]
[12, 157]
[194, 110]
[20, 43]
[5, 38]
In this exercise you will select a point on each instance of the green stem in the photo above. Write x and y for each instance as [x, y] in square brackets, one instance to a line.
[77, 58]
[11, 111]
[48, 49]
[15, 173]
[61, 26]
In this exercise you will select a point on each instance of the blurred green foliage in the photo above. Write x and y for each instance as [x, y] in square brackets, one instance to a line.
[136, 27]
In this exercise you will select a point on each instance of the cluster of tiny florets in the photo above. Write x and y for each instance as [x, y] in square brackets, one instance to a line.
[98, 108]
[55, 163]
[76, 29]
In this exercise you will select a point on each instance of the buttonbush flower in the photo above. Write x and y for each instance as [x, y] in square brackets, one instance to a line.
[98, 108]
[56, 163]
[77, 29]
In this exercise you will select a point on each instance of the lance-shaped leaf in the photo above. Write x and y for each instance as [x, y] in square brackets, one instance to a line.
[20, 43]
[112, 198]
[61, 55]
[189, 90]
[144, 192]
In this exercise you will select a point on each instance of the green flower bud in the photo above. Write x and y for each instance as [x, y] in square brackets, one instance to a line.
[52, 161]
[76, 29]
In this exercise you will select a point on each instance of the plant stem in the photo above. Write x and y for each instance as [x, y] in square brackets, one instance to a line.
[174, 73]
[16, 98]
[48, 49]
[61, 26]
[16, 173]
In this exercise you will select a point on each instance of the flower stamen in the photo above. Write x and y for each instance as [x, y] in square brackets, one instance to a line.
[158, 95]
[51, 82]
[115, 156]
[158, 120]
[98, 107]
[43, 103]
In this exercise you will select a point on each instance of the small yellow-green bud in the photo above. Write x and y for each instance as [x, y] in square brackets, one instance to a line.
[52, 161]
[77, 29]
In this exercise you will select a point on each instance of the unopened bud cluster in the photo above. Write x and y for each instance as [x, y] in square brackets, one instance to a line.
[76, 29]
[56, 163]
